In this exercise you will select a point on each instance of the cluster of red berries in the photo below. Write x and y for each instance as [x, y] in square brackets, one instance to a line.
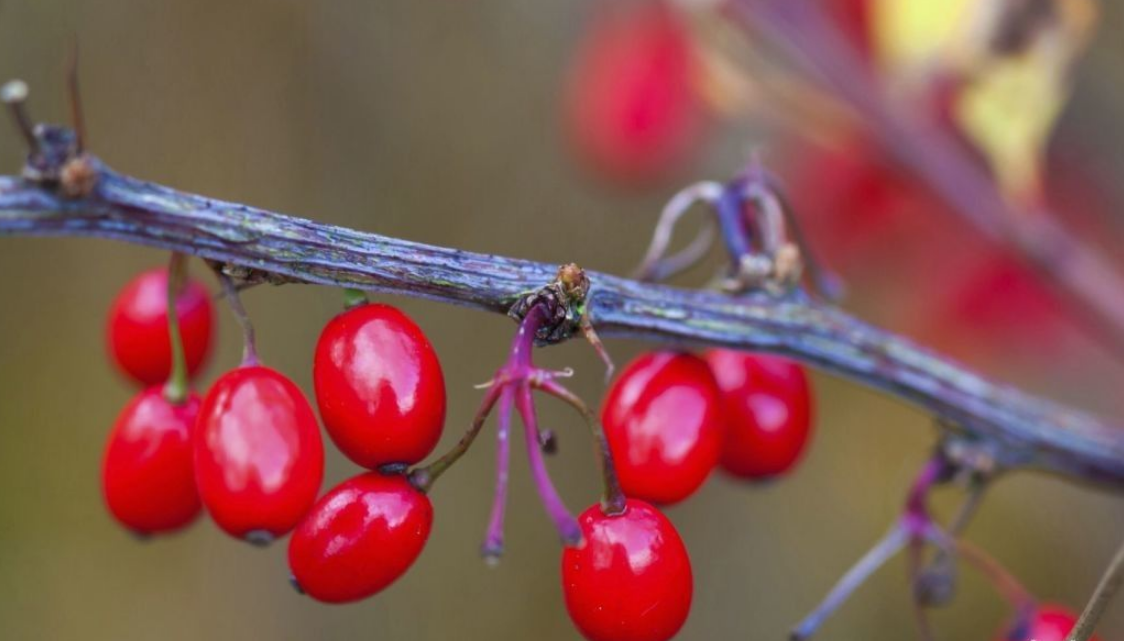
[250, 451]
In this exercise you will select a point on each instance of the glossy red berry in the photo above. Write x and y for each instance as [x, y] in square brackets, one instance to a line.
[632, 109]
[148, 478]
[1048, 623]
[664, 422]
[258, 455]
[137, 330]
[768, 404]
[630, 579]
[359, 538]
[379, 386]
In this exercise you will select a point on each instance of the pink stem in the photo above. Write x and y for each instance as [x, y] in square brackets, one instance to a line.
[564, 522]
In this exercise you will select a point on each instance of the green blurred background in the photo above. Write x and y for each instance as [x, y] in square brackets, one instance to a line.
[436, 122]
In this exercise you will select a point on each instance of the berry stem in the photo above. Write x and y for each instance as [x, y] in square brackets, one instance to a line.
[353, 298]
[493, 539]
[423, 478]
[612, 497]
[875, 558]
[1109, 585]
[564, 522]
[234, 300]
[176, 389]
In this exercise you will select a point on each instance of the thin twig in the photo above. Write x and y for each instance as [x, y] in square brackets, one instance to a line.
[1109, 585]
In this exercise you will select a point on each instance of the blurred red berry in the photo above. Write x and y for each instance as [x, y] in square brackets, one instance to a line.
[664, 422]
[768, 409]
[137, 328]
[632, 109]
[359, 538]
[1048, 623]
[630, 579]
[148, 477]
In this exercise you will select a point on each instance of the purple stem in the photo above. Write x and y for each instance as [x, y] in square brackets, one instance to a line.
[564, 522]
[493, 540]
[883, 551]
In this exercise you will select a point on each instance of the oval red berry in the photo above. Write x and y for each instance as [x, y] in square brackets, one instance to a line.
[259, 459]
[148, 478]
[664, 422]
[768, 403]
[137, 328]
[630, 579]
[379, 387]
[359, 538]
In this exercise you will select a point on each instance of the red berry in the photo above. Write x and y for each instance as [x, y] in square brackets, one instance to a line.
[379, 386]
[359, 538]
[147, 474]
[768, 405]
[138, 327]
[630, 579]
[631, 103]
[663, 418]
[258, 456]
[1049, 623]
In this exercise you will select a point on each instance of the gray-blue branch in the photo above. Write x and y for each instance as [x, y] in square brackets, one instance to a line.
[1021, 431]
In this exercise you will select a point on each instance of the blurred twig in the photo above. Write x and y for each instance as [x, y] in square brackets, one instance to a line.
[1076, 270]
[1109, 585]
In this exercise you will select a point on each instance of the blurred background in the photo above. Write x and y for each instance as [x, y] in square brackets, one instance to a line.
[452, 124]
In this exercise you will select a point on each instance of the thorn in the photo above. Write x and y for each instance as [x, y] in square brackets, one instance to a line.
[76, 119]
[599, 347]
[14, 94]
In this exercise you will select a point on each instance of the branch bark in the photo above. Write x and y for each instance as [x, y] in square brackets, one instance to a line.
[1020, 430]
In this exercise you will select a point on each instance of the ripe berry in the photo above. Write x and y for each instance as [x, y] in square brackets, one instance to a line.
[258, 456]
[768, 406]
[147, 474]
[138, 327]
[1049, 623]
[630, 580]
[379, 386]
[632, 109]
[664, 422]
[359, 538]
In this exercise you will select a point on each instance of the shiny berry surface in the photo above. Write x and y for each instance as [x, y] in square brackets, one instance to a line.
[664, 421]
[137, 328]
[379, 386]
[359, 538]
[1049, 623]
[630, 580]
[259, 459]
[769, 413]
[632, 110]
[148, 478]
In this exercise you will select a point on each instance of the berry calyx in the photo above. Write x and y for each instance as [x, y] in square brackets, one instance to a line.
[148, 478]
[259, 459]
[630, 579]
[768, 408]
[664, 422]
[379, 387]
[1048, 622]
[359, 538]
[632, 109]
[137, 328]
